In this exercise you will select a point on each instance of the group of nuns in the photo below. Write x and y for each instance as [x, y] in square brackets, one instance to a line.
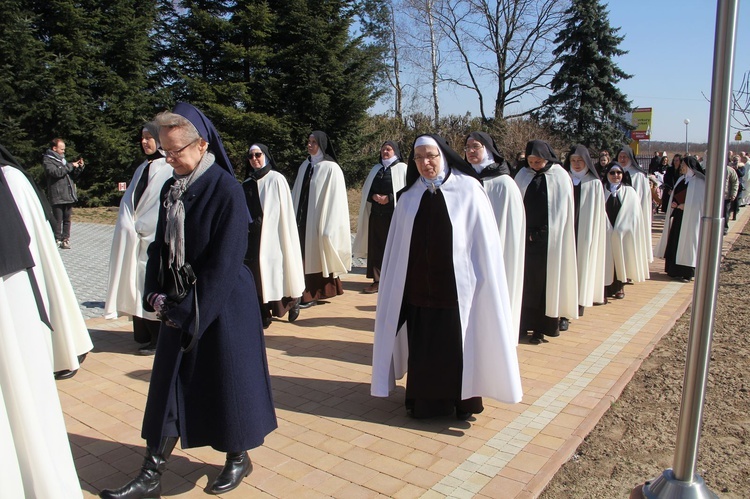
[450, 312]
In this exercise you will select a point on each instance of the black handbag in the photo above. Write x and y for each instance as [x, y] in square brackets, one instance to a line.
[176, 283]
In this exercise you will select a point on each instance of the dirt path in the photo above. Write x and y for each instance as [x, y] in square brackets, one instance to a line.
[635, 439]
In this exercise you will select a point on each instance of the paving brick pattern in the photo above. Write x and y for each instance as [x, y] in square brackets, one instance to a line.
[334, 439]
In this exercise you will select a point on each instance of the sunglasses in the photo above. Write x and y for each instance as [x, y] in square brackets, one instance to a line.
[256, 155]
[615, 173]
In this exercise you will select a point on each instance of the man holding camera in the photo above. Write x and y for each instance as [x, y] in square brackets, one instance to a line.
[61, 188]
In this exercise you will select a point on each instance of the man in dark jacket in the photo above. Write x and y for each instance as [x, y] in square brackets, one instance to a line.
[61, 188]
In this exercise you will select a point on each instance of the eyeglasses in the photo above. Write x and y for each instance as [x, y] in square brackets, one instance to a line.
[177, 152]
[430, 157]
[475, 148]
[256, 155]
[615, 173]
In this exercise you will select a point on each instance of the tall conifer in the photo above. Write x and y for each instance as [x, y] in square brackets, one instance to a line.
[585, 105]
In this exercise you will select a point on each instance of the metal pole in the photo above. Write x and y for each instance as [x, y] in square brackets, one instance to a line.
[682, 481]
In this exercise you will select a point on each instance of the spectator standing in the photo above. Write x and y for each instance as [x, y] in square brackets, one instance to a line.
[731, 187]
[386, 178]
[61, 188]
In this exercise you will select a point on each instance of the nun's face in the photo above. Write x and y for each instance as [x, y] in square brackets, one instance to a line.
[474, 151]
[182, 154]
[148, 142]
[623, 158]
[536, 163]
[683, 167]
[577, 164]
[257, 159]
[428, 160]
[387, 152]
[614, 176]
[312, 145]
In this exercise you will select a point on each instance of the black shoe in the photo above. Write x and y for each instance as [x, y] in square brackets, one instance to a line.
[147, 485]
[294, 311]
[463, 416]
[65, 374]
[266, 322]
[564, 323]
[237, 467]
[536, 338]
[308, 304]
[82, 357]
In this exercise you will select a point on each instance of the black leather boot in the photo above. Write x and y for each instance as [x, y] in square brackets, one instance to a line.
[237, 467]
[147, 484]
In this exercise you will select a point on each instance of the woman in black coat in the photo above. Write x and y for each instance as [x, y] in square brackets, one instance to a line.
[210, 383]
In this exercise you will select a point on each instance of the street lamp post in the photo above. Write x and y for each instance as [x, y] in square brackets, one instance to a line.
[687, 122]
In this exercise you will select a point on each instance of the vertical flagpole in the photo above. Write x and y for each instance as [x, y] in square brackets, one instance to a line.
[682, 481]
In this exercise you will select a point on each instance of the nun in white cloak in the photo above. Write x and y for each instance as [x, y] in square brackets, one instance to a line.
[590, 227]
[386, 178]
[679, 238]
[507, 204]
[322, 211]
[70, 336]
[625, 260]
[443, 309]
[35, 456]
[639, 180]
[550, 283]
[135, 230]
[273, 250]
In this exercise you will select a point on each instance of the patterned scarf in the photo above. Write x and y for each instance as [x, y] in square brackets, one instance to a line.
[174, 233]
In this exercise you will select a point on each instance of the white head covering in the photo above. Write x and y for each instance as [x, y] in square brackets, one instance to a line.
[433, 184]
[256, 146]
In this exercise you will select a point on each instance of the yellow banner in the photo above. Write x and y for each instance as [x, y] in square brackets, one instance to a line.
[641, 120]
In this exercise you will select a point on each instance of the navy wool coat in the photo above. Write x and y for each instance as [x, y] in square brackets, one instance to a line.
[220, 389]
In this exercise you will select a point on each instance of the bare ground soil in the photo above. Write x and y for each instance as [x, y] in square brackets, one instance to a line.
[635, 440]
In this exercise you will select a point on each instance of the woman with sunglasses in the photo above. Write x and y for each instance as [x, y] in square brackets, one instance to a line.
[386, 178]
[273, 251]
[624, 257]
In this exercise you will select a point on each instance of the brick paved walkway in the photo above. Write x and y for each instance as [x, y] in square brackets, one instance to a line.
[334, 439]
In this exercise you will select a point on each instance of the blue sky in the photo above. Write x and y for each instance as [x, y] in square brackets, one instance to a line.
[670, 55]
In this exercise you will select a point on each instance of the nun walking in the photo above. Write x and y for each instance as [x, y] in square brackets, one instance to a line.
[639, 180]
[322, 211]
[273, 251]
[678, 244]
[550, 281]
[625, 259]
[507, 204]
[590, 228]
[443, 311]
[386, 178]
[134, 232]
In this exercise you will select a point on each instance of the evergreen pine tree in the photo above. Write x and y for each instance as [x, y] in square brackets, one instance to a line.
[585, 105]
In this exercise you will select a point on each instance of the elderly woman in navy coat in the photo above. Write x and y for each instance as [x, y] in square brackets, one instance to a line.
[210, 383]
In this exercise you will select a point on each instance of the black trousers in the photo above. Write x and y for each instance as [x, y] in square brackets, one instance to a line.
[62, 213]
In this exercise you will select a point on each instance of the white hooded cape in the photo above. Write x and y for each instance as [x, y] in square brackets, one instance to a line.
[562, 274]
[642, 187]
[135, 230]
[687, 246]
[328, 243]
[510, 215]
[281, 270]
[489, 341]
[35, 456]
[70, 337]
[625, 239]
[591, 245]
[398, 178]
